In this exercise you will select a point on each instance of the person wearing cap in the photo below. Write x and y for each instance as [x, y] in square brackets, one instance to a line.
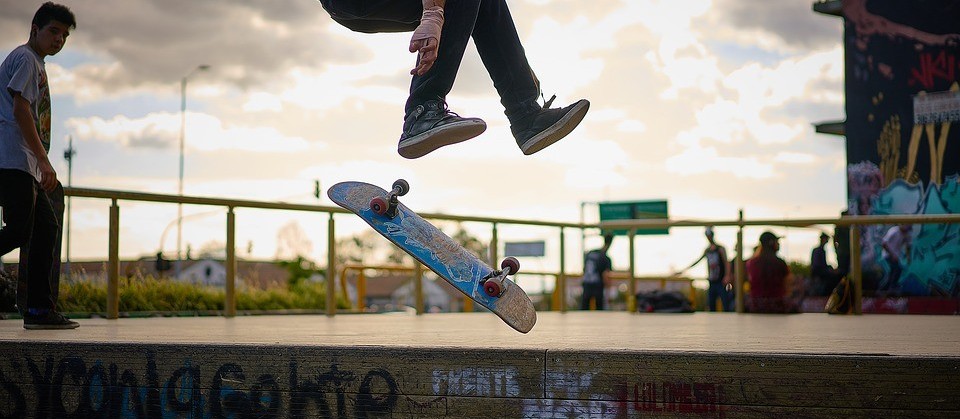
[825, 277]
[716, 257]
[769, 275]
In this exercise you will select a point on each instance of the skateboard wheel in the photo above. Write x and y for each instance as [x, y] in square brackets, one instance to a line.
[512, 263]
[402, 186]
[379, 205]
[492, 288]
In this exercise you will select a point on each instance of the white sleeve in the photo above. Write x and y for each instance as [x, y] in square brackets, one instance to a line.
[24, 79]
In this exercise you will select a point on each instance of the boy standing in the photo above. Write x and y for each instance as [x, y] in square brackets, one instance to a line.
[28, 183]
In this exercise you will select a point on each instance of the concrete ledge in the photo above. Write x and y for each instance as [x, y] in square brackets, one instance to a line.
[470, 366]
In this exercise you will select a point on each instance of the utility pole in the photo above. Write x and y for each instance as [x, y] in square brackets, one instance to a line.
[183, 130]
[68, 155]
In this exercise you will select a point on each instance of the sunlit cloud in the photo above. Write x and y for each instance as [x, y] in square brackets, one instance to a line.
[698, 161]
[795, 158]
[203, 133]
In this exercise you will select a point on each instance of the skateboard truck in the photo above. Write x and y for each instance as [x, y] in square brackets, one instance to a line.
[389, 205]
[494, 285]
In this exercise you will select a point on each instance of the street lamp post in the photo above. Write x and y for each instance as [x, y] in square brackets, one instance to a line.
[183, 125]
[68, 155]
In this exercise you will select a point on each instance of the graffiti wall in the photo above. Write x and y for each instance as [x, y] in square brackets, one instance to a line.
[202, 381]
[903, 157]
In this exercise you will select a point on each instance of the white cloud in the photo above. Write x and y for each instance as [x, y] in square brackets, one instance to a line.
[795, 158]
[203, 133]
[702, 160]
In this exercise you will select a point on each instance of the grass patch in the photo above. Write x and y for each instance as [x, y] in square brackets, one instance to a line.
[164, 295]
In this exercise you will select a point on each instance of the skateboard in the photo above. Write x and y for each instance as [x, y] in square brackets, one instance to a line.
[490, 288]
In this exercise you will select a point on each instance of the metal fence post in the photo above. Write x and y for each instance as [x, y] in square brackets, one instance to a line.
[632, 298]
[230, 303]
[331, 269]
[494, 246]
[418, 287]
[856, 274]
[113, 263]
[740, 269]
[562, 277]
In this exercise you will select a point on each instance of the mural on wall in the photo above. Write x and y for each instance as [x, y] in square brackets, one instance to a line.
[903, 157]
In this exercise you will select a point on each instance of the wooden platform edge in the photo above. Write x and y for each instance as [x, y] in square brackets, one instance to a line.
[53, 379]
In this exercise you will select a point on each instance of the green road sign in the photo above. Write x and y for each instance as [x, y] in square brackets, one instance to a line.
[634, 210]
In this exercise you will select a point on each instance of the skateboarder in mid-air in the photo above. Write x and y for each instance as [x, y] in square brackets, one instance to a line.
[441, 30]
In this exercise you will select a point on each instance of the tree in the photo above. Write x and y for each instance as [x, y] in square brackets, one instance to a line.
[292, 242]
[370, 248]
[300, 269]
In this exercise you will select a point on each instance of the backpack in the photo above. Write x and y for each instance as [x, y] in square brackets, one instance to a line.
[841, 300]
[657, 301]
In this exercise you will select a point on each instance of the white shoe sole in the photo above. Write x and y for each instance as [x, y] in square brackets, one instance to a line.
[558, 130]
[421, 145]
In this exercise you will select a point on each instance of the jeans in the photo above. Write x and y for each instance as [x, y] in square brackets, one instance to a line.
[488, 22]
[32, 217]
[718, 289]
[891, 282]
[592, 292]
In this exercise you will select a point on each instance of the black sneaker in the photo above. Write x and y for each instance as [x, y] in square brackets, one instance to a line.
[548, 125]
[432, 125]
[51, 320]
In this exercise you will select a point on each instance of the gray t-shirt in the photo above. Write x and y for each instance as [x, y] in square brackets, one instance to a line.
[23, 71]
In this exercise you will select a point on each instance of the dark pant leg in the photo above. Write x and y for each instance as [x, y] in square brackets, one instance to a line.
[498, 44]
[18, 197]
[18, 194]
[460, 17]
[592, 292]
[892, 280]
[713, 292]
[59, 205]
[37, 256]
[727, 298]
[375, 16]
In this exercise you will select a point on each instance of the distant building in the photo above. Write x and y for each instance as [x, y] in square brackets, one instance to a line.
[391, 292]
[207, 272]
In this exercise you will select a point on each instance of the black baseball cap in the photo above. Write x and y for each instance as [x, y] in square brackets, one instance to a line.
[768, 237]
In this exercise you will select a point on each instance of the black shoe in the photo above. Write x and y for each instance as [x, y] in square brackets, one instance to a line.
[547, 126]
[51, 320]
[432, 125]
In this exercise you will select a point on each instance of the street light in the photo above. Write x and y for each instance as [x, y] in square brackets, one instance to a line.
[68, 155]
[183, 124]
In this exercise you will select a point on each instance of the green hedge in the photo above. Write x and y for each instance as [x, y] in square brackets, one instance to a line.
[163, 295]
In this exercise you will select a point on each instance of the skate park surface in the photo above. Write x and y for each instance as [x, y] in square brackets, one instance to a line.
[575, 364]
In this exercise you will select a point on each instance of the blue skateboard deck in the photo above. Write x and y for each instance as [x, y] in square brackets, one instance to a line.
[437, 251]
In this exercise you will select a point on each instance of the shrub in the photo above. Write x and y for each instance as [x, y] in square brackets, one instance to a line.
[166, 295]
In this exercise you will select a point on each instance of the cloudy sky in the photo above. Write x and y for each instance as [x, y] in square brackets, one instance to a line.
[707, 104]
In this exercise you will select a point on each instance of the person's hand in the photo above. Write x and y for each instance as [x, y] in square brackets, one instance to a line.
[426, 40]
[48, 176]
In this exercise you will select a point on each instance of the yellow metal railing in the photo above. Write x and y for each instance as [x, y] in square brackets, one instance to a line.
[740, 271]
[559, 299]
[360, 271]
[360, 304]
[632, 226]
[113, 255]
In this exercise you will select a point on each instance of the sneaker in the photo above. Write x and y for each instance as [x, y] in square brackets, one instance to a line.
[548, 125]
[50, 320]
[432, 125]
